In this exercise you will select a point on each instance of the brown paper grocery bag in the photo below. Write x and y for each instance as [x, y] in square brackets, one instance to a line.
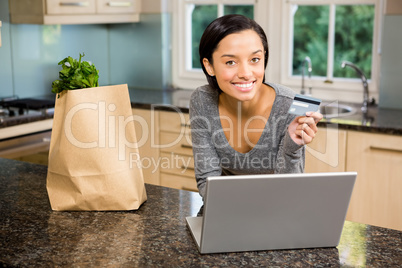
[92, 142]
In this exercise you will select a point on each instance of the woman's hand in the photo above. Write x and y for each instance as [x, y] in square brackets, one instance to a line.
[303, 128]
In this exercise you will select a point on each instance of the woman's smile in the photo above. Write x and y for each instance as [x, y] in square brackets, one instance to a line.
[245, 86]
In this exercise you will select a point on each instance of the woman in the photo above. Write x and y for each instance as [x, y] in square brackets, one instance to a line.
[239, 123]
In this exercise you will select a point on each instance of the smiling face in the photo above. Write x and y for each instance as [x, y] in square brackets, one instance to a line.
[238, 65]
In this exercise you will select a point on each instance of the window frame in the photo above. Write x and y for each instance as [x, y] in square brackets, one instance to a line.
[328, 86]
[274, 18]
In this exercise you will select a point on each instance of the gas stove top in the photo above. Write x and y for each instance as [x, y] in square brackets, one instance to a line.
[14, 108]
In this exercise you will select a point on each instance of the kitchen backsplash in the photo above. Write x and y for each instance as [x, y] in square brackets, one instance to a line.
[123, 53]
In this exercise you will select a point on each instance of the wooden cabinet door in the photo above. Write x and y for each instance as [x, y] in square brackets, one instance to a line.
[176, 151]
[179, 182]
[74, 11]
[177, 122]
[172, 142]
[327, 152]
[177, 164]
[377, 196]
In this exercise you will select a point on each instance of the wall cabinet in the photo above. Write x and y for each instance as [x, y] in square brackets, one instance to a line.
[392, 7]
[74, 11]
[377, 196]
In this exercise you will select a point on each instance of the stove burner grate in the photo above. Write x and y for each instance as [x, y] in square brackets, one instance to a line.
[28, 104]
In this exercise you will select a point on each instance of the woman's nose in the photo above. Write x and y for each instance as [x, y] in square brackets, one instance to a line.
[244, 71]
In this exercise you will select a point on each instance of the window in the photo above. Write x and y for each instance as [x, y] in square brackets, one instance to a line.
[330, 32]
[311, 29]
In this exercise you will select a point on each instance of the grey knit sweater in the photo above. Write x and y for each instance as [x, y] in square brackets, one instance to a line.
[275, 152]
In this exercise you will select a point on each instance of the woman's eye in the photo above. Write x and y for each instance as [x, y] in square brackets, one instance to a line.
[255, 60]
[230, 63]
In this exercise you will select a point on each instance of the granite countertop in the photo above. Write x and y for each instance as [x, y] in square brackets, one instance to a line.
[156, 235]
[377, 120]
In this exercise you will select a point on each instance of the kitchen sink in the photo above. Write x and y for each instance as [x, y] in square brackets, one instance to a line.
[335, 109]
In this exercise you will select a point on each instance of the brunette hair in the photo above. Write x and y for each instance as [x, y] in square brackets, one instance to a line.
[219, 29]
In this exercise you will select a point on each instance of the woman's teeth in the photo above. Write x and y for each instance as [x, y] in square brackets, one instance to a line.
[244, 85]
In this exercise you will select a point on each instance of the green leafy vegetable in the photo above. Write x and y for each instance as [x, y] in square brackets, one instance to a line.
[75, 75]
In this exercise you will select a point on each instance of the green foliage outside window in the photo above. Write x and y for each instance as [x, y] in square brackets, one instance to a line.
[202, 16]
[310, 38]
[353, 38]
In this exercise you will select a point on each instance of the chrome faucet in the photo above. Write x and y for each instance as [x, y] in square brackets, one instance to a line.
[364, 81]
[310, 69]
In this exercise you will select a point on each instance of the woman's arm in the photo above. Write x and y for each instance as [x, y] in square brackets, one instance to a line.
[290, 157]
[206, 159]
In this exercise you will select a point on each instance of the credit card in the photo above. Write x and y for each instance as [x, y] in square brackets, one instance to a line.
[302, 104]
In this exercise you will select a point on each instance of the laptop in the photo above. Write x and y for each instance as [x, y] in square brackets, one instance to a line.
[271, 212]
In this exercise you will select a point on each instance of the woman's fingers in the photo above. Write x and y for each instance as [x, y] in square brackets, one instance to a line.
[315, 115]
[305, 127]
[309, 129]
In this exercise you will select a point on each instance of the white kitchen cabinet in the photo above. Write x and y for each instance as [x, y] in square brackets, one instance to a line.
[377, 195]
[74, 11]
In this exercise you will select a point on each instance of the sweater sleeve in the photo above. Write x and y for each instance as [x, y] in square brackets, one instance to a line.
[291, 156]
[206, 159]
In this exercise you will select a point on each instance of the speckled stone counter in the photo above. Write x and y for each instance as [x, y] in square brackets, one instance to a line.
[32, 235]
[375, 120]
